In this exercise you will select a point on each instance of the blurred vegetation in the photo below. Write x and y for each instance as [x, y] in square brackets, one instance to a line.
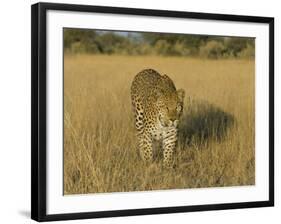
[136, 43]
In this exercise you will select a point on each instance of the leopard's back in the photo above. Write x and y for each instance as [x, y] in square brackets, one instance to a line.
[148, 83]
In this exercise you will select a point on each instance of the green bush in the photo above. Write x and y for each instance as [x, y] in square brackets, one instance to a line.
[212, 49]
[248, 52]
[129, 43]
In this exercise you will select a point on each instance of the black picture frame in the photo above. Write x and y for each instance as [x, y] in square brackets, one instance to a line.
[38, 108]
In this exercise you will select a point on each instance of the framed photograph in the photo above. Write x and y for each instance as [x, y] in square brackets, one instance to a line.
[140, 111]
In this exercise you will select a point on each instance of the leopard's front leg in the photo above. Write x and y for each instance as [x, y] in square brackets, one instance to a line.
[169, 145]
[145, 146]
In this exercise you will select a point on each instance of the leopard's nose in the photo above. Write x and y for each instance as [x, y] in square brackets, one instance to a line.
[173, 122]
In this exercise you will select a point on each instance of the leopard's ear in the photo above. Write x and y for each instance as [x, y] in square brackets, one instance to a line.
[181, 94]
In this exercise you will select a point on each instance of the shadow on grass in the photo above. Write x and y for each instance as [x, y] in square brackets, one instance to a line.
[202, 122]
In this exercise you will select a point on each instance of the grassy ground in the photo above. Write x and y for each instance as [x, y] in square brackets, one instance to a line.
[216, 140]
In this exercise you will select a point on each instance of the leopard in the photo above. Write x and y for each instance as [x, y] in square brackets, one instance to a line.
[157, 107]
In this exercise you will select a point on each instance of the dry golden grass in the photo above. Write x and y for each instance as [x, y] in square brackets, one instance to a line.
[216, 140]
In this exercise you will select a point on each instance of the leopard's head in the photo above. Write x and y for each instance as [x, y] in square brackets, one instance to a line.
[170, 107]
